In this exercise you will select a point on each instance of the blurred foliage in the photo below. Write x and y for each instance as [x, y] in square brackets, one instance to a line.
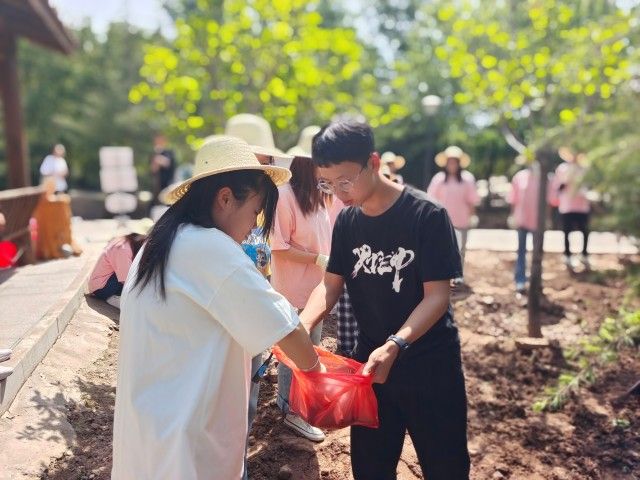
[82, 101]
[535, 62]
[559, 73]
[276, 59]
[566, 72]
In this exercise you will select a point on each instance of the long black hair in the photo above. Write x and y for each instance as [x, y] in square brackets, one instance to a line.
[458, 174]
[135, 240]
[195, 208]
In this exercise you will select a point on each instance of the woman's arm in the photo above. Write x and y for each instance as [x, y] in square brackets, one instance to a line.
[298, 347]
[297, 255]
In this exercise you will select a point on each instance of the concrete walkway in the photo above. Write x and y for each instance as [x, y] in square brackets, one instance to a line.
[37, 428]
[37, 301]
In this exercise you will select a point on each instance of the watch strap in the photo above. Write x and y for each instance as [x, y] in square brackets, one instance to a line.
[401, 342]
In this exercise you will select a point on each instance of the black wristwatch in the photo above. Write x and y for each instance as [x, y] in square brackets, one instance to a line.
[401, 342]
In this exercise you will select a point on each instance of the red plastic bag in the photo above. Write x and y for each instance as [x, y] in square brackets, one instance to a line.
[340, 397]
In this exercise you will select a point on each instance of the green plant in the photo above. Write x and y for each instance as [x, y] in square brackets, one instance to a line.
[614, 335]
[621, 423]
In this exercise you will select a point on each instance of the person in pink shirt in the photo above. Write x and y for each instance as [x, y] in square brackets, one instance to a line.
[573, 205]
[455, 189]
[300, 246]
[111, 270]
[525, 187]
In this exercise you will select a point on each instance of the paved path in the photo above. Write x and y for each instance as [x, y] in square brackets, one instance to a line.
[507, 241]
[37, 302]
[36, 428]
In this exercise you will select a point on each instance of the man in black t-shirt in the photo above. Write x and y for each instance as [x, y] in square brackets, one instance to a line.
[396, 252]
[163, 165]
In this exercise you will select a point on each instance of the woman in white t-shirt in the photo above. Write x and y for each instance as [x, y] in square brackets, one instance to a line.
[194, 311]
[55, 166]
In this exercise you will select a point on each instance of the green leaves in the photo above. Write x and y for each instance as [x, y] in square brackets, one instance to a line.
[552, 59]
[272, 58]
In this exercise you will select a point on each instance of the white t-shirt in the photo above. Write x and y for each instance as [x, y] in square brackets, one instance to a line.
[184, 363]
[53, 166]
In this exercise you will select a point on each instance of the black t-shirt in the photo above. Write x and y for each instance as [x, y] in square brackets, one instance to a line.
[165, 174]
[385, 260]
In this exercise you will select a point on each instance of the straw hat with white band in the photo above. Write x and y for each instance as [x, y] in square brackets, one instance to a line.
[392, 160]
[220, 154]
[256, 131]
[453, 152]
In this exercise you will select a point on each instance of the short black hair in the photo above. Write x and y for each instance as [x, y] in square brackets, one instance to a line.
[343, 141]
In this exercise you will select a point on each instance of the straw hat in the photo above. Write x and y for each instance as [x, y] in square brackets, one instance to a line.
[256, 131]
[568, 155]
[142, 226]
[453, 152]
[392, 160]
[220, 154]
[165, 194]
[303, 148]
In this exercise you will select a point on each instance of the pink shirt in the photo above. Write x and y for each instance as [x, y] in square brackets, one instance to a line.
[116, 258]
[311, 234]
[572, 198]
[458, 198]
[524, 198]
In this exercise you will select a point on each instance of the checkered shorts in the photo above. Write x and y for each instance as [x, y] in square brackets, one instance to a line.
[347, 325]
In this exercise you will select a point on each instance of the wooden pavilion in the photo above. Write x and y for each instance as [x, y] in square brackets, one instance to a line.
[37, 21]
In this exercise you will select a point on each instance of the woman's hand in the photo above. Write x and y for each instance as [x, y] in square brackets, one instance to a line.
[380, 362]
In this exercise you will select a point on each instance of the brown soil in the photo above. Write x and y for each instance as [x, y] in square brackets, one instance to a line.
[507, 440]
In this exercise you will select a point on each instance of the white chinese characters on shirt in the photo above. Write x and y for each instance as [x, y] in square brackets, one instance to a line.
[377, 263]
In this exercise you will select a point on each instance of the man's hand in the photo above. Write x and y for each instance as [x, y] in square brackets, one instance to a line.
[380, 362]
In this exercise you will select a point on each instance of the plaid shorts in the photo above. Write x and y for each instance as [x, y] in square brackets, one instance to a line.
[347, 325]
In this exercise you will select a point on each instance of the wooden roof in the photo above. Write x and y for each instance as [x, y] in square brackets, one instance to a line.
[37, 21]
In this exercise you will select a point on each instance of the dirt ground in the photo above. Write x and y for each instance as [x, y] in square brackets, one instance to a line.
[507, 440]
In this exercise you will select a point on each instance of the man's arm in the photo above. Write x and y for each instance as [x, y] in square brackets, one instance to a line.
[322, 300]
[426, 314]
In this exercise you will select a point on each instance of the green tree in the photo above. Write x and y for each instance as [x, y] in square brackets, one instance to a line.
[535, 65]
[271, 58]
[82, 101]
[406, 34]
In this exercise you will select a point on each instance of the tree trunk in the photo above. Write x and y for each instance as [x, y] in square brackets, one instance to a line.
[543, 157]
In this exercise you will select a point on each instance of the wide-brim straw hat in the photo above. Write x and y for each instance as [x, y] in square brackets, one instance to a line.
[142, 226]
[453, 151]
[256, 131]
[393, 160]
[221, 154]
[305, 142]
[297, 151]
[165, 194]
